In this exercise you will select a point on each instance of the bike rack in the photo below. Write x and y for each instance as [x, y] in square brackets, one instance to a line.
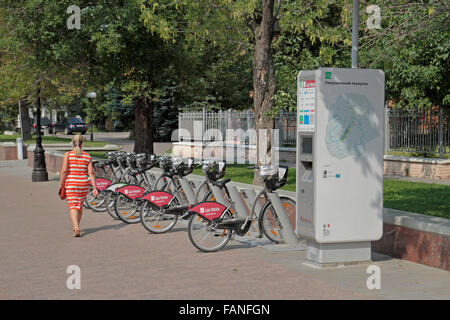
[188, 192]
[250, 198]
[235, 196]
[287, 232]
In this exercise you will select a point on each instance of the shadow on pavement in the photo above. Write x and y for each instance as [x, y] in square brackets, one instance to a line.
[380, 257]
[107, 227]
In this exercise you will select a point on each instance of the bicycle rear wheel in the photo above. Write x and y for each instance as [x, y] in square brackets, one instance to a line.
[155, 221]
[205, 235]
[269, 223]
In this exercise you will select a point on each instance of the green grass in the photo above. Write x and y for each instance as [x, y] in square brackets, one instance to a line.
[425, 198]
[240, 173]
[50, 140]
[98, 154]
[5, 138]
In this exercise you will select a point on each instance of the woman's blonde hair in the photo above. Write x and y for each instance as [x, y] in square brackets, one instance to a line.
[77, 142]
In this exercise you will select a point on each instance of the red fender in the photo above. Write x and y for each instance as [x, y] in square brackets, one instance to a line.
[158, 198]
[102, 183]
[209, 210]
[131, 191]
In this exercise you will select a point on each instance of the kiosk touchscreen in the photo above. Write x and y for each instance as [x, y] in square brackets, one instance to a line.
[340, 119]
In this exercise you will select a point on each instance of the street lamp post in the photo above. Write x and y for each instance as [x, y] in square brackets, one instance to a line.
[39, 167]
[355, 35]
[92, 96]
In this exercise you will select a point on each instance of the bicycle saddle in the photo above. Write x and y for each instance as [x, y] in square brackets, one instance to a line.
[221, 183]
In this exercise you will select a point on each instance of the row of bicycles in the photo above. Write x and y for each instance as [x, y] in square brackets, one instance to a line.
[155, 191]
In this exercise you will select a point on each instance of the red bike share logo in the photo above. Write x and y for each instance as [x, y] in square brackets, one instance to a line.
[209, 210]
[101, 183]
[158, 198]
[131, 192]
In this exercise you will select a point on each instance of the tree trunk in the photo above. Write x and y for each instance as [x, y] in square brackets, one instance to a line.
[264, 83]
[109, 125]
[25, 121]
[143, 114]
[101, 123]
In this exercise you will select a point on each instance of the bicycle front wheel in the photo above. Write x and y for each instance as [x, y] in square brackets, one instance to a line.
[110, 200]
[127, 209]
[209, 196]
[269, 223]
[155, 220]
[205, 235]
[96, 203]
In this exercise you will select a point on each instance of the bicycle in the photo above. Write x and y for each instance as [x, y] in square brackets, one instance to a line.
[122, 196]
[104, 177]
[106, 174]
[212, 224]
[161, 210]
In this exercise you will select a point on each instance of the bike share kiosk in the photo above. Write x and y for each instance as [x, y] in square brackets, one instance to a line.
[340, 120]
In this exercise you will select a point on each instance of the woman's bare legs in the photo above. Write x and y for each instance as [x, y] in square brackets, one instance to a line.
[79, 214]
[75, 216]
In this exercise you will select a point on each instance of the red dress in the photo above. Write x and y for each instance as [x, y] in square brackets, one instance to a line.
[77, 186]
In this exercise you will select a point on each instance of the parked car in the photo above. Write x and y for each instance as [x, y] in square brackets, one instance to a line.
[71, 125]
[45, 123]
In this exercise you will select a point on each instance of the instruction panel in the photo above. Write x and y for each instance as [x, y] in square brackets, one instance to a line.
[307, 105]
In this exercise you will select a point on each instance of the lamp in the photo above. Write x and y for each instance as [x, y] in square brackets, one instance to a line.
[92, 95]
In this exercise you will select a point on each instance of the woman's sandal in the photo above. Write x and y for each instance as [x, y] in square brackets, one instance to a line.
[76, 232]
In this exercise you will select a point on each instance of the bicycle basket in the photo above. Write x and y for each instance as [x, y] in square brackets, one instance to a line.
[217, 171]
[141, 162]
[277, 179]
[131, 161]
[113, 159]
[183, 170]
[165, 163]
[123, 161]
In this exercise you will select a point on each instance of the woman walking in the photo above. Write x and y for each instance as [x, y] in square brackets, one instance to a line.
[76, 168]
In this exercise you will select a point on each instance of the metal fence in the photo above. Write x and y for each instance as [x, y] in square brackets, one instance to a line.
[418, 130]
[198, 125]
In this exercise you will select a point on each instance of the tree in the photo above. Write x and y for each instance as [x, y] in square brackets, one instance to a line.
[253, 24]
[412, 47]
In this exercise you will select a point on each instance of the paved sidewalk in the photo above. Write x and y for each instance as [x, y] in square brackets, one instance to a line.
[120, 261]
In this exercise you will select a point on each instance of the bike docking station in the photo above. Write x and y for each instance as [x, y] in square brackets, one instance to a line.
[340, 121]
[247, 202]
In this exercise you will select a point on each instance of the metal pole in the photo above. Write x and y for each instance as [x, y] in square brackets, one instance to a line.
[92, 127]
[355, 35]
[39, 168]
[281, 124]
[203, 123]
[20, 120]
[386, 128]
[19, 146]
[441, 132]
